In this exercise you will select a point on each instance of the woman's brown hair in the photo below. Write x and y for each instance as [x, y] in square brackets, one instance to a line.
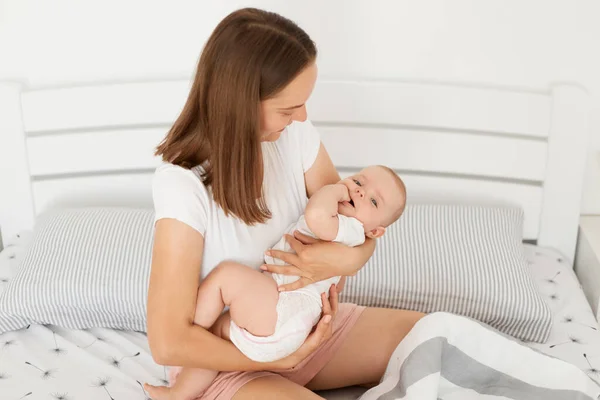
[250, 56]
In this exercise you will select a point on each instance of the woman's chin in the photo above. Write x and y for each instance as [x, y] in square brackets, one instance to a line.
[271, 137]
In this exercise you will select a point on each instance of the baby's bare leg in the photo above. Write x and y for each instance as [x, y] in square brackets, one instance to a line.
[221, 326]
[252, 299]
[250, 294]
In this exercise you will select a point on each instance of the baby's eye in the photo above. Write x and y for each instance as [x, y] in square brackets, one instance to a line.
[374, 202]
[357, 182]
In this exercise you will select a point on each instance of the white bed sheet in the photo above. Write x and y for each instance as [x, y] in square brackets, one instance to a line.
[575, 335]
[49, 362]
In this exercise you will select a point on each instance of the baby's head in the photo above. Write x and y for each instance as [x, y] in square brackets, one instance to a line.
[377, 198]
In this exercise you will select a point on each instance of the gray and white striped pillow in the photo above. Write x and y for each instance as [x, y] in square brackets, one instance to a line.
[90, 267]
[83, 268]
[463, 259]
[9, 260]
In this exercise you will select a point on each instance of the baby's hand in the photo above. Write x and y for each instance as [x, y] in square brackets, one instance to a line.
[344, 192]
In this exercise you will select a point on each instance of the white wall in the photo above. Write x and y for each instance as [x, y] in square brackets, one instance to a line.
[528, 43]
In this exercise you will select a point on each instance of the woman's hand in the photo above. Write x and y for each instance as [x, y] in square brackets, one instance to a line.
[316, 260]
[304, 264]
[322, 332]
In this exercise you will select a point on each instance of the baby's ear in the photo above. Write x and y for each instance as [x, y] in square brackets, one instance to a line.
[377, 232]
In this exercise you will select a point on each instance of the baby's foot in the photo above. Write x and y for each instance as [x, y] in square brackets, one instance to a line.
[158, 392]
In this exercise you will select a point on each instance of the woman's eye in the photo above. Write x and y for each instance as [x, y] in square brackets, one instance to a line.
[357, 182]
[374, 202]
[286, 114]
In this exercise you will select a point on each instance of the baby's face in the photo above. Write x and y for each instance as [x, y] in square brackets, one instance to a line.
[375, 197]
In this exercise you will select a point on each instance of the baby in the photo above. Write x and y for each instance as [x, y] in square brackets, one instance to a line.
[267, 325]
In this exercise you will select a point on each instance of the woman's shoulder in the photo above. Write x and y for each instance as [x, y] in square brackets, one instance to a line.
[180, 194]
[178, 180]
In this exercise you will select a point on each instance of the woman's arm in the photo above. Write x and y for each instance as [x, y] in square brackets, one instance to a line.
[321, 173]
[315, 260]
[174, 280]
[172, 335]
[341, 284]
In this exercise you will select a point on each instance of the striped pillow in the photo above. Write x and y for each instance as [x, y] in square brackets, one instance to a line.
[83, 268]
[8, 266]
[463, 259]
[90, 267]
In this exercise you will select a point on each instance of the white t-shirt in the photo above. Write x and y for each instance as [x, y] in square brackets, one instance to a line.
[179, 193]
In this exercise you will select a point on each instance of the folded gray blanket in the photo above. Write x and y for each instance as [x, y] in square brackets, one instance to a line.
[450, 357]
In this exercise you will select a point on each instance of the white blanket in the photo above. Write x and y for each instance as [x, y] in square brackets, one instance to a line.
[448, 357]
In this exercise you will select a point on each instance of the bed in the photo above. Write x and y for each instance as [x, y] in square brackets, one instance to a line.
[459, 143]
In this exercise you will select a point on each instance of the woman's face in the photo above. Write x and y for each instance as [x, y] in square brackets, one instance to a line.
[287, 106]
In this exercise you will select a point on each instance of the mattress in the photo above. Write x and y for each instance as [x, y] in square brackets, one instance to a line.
[50, 362]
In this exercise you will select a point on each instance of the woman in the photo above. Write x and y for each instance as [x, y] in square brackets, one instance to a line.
[240, 164]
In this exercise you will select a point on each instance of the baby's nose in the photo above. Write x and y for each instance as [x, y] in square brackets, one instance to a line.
[360, 191]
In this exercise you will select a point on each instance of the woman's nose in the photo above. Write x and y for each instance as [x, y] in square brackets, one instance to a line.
[300, 114]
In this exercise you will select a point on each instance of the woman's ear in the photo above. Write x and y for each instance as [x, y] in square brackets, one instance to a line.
[377, 232]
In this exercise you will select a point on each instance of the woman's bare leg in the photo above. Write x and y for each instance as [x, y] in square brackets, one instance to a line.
[366, 351]
[361, 360]
[274, 387]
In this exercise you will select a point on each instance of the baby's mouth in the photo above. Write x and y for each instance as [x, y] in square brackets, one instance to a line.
[351, 202]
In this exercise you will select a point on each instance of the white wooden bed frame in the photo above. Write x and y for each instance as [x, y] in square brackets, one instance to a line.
[93, 145]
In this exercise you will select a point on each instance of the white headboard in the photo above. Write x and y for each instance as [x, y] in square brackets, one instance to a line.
[94, 145]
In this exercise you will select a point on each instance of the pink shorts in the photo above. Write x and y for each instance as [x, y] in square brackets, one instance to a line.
[226, 384]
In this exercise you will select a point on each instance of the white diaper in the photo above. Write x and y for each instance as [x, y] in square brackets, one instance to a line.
[297, 313]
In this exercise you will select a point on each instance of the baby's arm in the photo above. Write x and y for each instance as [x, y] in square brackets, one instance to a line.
[321, 213]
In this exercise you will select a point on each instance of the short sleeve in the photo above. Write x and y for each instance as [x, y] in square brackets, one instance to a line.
[309, 141]
[351, 231]
[179, 193]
